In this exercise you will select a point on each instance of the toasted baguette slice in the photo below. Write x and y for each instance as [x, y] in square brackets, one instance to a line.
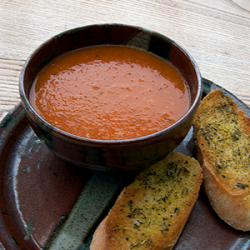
[152, 211]
[222, 143]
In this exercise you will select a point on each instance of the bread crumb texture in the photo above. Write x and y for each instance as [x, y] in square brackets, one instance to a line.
[151, 212]
[223, 133]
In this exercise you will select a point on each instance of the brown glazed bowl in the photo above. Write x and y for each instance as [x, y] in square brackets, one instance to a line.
[129, 154]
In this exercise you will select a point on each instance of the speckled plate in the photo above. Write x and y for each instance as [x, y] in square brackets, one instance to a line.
[48, 204]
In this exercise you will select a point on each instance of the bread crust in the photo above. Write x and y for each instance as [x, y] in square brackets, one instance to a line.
[227, 187]
[116, 230]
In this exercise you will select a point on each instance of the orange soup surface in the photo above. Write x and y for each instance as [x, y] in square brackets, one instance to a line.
[110, 93]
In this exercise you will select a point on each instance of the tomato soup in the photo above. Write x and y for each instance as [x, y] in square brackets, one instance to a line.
[110, 93]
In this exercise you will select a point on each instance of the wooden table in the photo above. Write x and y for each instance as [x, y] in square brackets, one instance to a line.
[215, 32]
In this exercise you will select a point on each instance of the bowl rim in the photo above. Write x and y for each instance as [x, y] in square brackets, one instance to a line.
[62, 134]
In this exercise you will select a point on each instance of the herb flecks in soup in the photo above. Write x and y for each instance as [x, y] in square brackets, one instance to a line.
[110, 93]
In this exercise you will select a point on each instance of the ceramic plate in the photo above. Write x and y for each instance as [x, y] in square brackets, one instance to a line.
[48, 204]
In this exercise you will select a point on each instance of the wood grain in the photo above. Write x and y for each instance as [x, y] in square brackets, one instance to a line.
[244, 4]
[216, 33]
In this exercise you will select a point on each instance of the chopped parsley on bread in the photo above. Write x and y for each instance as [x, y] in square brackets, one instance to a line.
[222, 143]
[152, 211]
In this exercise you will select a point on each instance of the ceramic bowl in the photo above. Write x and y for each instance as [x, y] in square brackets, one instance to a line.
[129, 154]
